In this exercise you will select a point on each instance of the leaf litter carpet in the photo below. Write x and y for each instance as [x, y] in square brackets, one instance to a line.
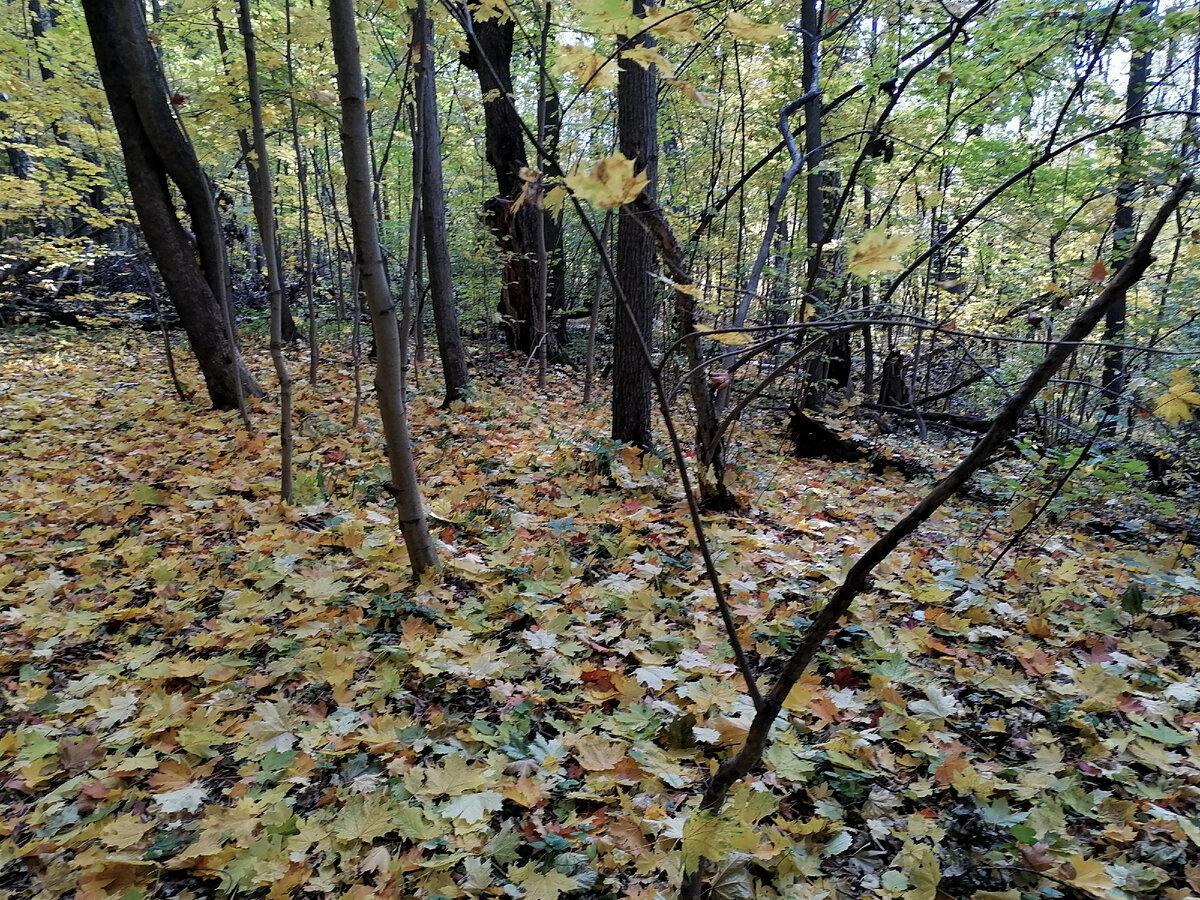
[206, 693]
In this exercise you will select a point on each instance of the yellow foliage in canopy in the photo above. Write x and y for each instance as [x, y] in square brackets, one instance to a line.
[670, 25]
[486, 10]
[647, 57]
[610, 18]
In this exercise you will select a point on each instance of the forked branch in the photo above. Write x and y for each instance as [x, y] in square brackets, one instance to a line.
[857, 579]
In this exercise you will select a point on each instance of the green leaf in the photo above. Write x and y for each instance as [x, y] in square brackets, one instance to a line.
[149, 495]
[1133, 601]
[1163, 734]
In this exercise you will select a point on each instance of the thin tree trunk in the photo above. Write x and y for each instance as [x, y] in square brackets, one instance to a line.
[356, 345]
[1115, 378]
[314, 350]
[166, 336]
[246, 143]
[589, 372]
[389, 368]
[490, 57]
[264, 203]
[543, 263]
[412, 260]
[433, 214]
[715, 493]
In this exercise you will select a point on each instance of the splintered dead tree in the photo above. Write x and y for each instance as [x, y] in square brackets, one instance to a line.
[264, 212]
[389, 367]
[858, 577]
[157, 153]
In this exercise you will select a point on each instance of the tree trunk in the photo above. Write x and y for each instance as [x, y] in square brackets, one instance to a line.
[589, 371]
[155, 149]
[541, 297]
[314, 350]
[246, 145]
[490, 57]
[433, 215]
[1115, 378]
[715, 494]
[389, 367]
[264, 209]
[637, 138]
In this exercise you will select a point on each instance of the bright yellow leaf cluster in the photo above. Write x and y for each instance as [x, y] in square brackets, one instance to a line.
[745, 30]
[1180, 401]
[612, 182]
[591, 69]
[878, 253]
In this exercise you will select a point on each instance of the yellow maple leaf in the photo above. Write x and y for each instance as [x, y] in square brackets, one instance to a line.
[596, 754]
[1181, 399]
[591, 69]
[124, 831]
[364, 820]
[878, 252]
[611, 182]
[745, 30]
[454, 777]
[1089, 875]
[541, 885]
[920, 866]
[647, 57]
[689, 90]
[609, 17]
[492, 9]
[706, 836]
[732, 338]
[674, 26]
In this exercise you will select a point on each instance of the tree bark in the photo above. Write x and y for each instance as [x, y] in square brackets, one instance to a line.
[155, 150]
[314, 350]
[264, 210]
[1115, 378]
[246, 145]
[433, 215]
[637, 138]
[389, 368]
[490, 57]
[715, 494]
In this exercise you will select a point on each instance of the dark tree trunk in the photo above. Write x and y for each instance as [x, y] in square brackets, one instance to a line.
[1115, 378]
[264, 210]
[155, 149]
[637, 138]
[711, 468]
[490, 57]
[893, 387]
[433, 216]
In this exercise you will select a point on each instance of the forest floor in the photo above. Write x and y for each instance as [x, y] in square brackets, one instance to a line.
[206, 693]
